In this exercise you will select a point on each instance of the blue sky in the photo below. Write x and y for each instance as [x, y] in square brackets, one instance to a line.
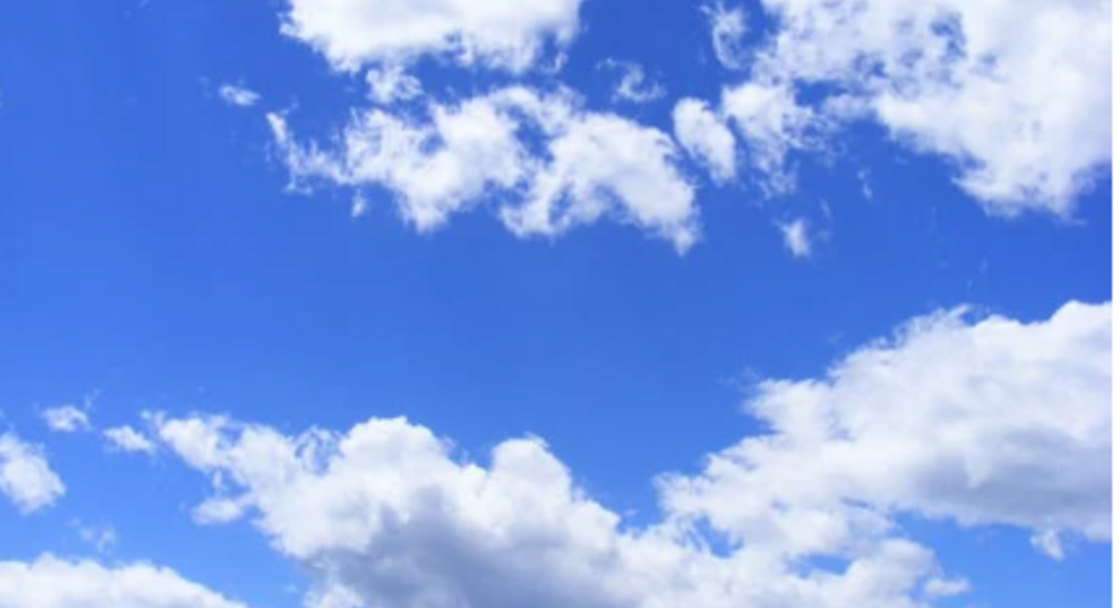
[739, 336]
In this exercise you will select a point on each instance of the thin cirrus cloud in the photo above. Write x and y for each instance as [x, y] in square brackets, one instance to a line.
[387, 514]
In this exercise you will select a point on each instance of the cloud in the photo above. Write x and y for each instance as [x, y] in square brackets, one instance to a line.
[996, 422]
[238, 96]
[985, 422]
[25, 476]
[127, 439]
[796, 236]
[507, 34]
[772, 122]
[633, 85]
[706, 138]
[972, 82]
[101, 538]
[50, 582]
[729, 27]
[391, 83]
[386, 515]
[583, 166]
[66, 419]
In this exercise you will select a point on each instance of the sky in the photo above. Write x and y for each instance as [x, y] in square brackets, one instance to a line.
[597, 303]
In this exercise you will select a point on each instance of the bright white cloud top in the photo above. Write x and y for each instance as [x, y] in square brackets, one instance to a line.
[974, 82]
[51, 582]
[26, 478]
[506, 34]
[982, 422]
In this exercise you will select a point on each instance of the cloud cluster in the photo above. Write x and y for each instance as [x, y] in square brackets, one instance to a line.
[26, 477]
[50, 582]
[1016, 94]
[588, 165]
[982, 422]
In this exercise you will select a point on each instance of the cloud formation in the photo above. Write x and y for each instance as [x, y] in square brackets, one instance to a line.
[25, 476]
[590, 166]
[51, 582]
[991, 421]
[1016, 95]
[506, 34]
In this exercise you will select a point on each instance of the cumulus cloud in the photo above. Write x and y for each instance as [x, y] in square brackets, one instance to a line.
[982, 422]
[997, 422]
[508, 34]
[127, 439]
[66, 419]
[591, 165]
[25, 476]
[706, 138]
[1016, 94]
[50, 582]
[239, 96]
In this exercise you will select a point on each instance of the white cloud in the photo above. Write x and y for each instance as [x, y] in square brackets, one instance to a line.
[592, 165]
[604, 165]
[729, 27]
[996, 422]
[386, 515]
[127, 439]
[772, 122]
[1016, 93]
[509, 34]
[989, 422]
[634, 86]
[706, 137]
[66, 419]
[391, 83]
[50, 582]
[797, 239]
[25, 476]
[238, 96]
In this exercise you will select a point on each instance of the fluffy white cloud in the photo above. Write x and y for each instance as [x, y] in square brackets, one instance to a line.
[592, 165]
[238, 96]
[127, 439]
[66, 419]
[498, 33]
[706, 137]
[991, 422]
[772, 122]
[996, 422]
[386, 515]
[50, 582]
[25, 476]
[1016, 93]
